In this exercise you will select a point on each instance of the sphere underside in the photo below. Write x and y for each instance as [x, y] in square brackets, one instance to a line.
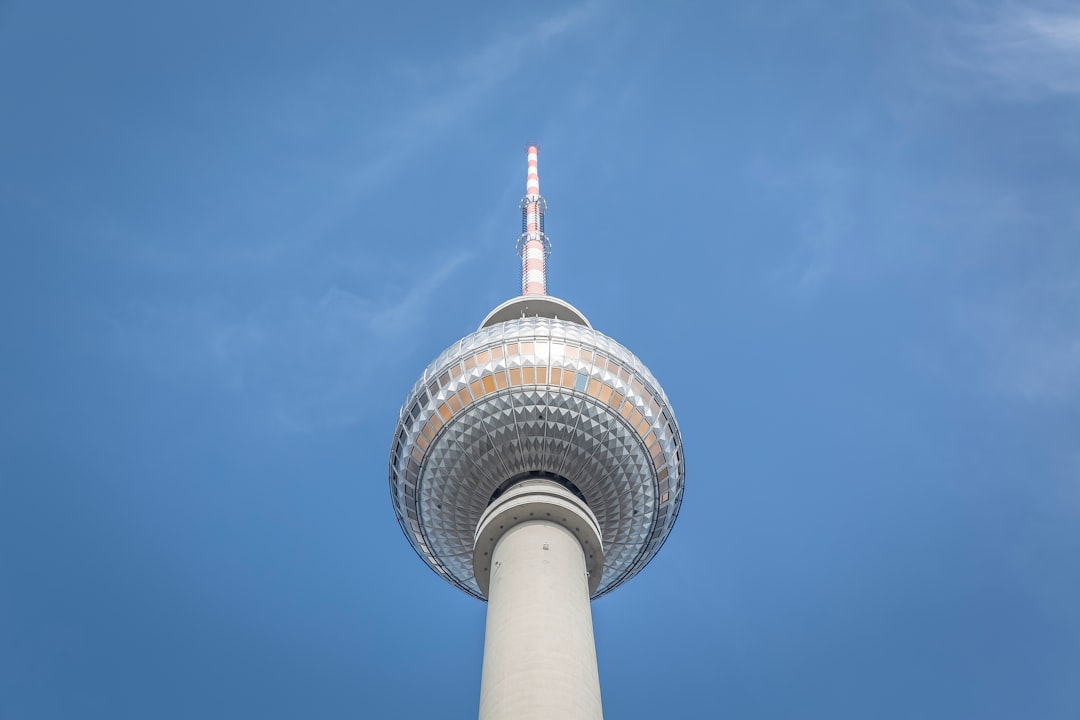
[536, 395]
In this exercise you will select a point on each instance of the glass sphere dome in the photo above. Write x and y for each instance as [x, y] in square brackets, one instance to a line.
[536, 395]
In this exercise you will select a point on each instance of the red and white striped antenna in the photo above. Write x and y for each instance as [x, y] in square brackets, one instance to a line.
[533, 246]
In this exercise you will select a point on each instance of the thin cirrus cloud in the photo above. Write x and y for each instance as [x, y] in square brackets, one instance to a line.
[1030, 335]
[1017, 320]
[825, 232]
[306, 359]
[1027, 327]
[1021, 49]
[462, 83]
[304, 362]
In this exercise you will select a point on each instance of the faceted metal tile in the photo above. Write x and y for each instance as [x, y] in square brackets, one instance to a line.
[502, 401]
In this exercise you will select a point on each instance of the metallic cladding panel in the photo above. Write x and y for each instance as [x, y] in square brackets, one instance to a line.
[527, 395]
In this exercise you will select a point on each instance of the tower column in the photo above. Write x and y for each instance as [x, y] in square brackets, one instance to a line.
[538, 558]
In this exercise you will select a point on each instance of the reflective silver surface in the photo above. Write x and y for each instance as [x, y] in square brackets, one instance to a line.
[536, 395]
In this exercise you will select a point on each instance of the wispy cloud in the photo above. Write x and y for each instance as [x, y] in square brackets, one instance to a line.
[303, 162]
[1031, 338]
[306, 361]
[1020, 48]
[1004, 266]
[826, 230]
[449, 91]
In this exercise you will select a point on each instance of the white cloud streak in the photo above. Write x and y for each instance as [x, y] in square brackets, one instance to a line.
[328, 152]
[463, 84]
[1031, 336]
[309, 359]
[306, 362]
[826, 232]
[1020, 49]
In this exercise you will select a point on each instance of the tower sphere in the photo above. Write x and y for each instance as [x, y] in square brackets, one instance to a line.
[536, 392]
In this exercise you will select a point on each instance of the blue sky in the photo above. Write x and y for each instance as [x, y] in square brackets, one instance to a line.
[844, 235]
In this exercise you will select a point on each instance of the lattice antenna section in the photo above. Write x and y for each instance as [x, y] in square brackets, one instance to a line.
[533, 246]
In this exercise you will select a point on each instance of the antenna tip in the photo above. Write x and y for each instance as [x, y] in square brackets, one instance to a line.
[532, 150]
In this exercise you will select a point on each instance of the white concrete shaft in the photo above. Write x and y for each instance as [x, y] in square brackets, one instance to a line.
[539, 652]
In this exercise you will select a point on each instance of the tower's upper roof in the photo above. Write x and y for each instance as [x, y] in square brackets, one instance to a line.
[523, 306]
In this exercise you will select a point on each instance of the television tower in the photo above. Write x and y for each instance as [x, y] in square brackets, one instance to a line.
[537, 464]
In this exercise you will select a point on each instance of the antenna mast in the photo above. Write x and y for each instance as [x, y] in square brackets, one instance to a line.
[533, 246]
